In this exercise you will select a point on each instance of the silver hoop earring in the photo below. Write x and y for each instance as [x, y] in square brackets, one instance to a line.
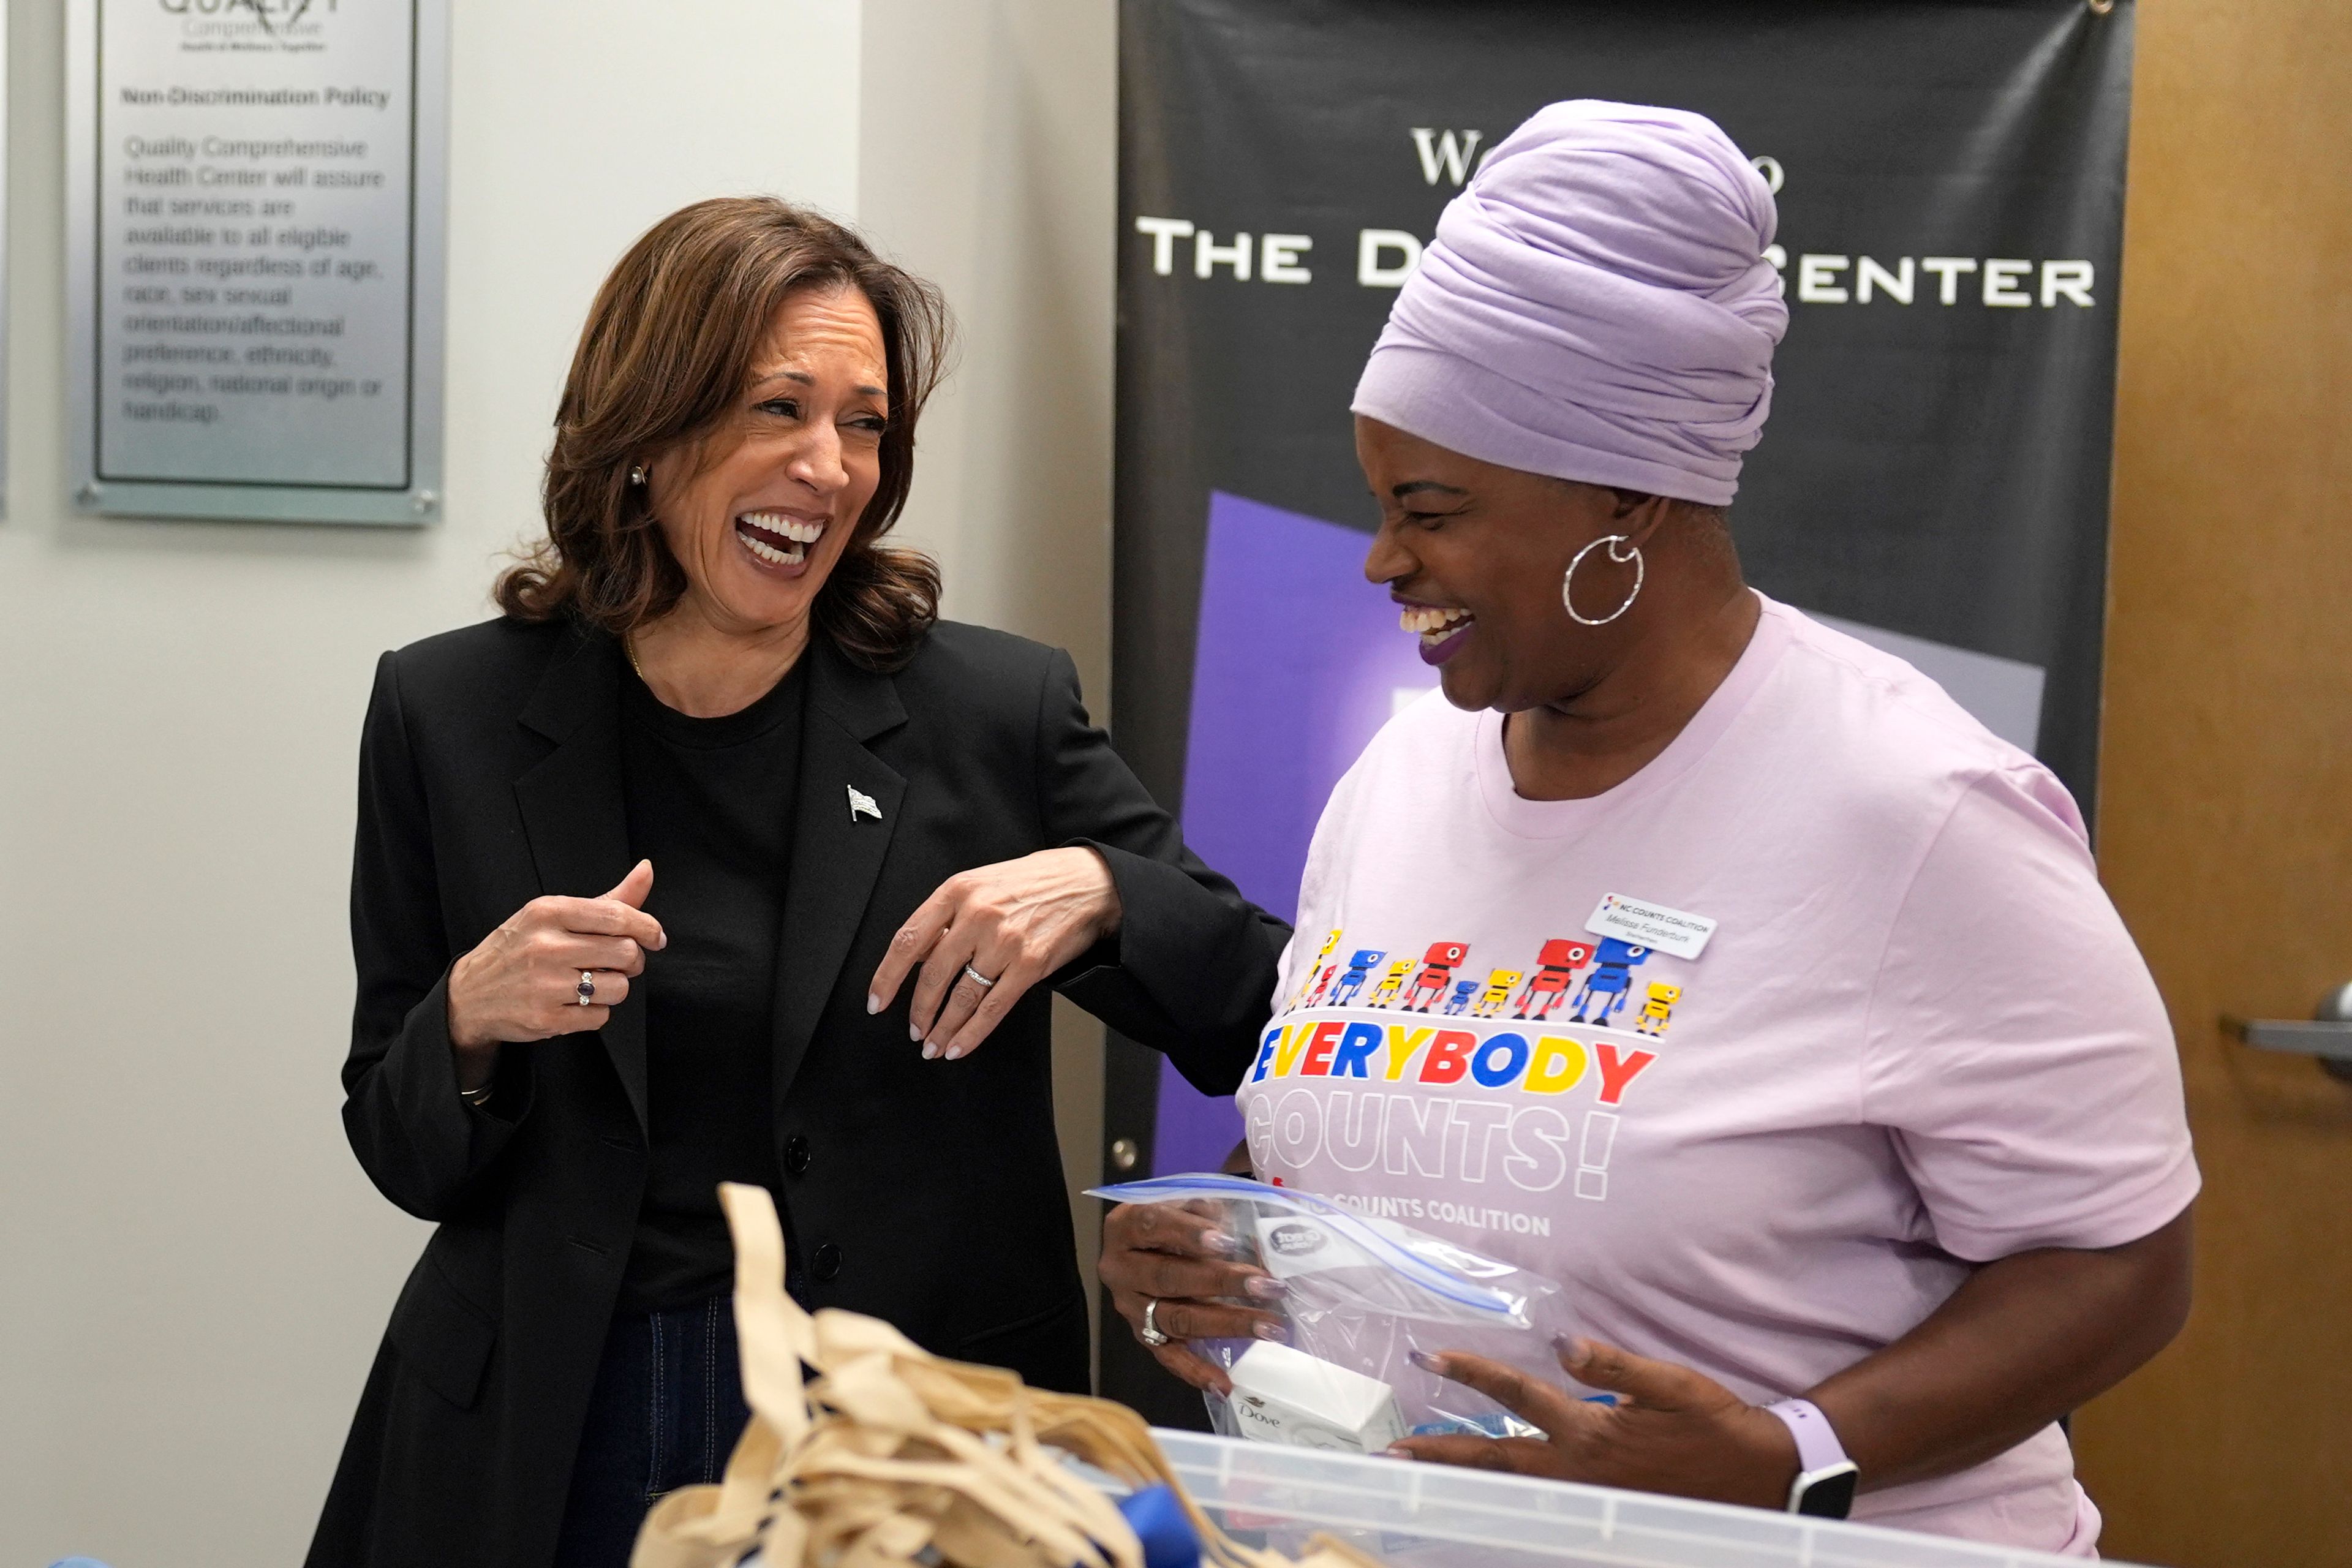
[637, 475]
[1567, 584]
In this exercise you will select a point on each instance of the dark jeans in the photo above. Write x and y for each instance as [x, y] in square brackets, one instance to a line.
[666, 1413]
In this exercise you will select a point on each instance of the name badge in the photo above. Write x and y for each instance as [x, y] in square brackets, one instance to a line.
[1651, 925]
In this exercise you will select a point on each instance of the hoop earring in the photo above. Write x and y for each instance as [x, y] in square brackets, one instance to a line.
[1567, 584]
[637, 475]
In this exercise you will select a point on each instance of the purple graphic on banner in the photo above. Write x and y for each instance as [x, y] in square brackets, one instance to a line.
[1298, 664]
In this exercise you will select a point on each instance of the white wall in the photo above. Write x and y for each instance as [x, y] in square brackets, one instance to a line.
[193, 1270]
[989, 164]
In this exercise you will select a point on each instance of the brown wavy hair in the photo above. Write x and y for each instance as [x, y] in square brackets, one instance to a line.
[671, 342]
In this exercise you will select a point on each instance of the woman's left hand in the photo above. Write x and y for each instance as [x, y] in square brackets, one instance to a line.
[1012, 923]
[1673, 1430]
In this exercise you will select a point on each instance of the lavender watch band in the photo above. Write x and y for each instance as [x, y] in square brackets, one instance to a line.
[1818, 1448]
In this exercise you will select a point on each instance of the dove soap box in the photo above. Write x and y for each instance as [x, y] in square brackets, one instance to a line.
[1284, 1395]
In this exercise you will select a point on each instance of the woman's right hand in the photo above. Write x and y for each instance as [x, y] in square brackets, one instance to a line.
[523, 982]
[1182, 1259]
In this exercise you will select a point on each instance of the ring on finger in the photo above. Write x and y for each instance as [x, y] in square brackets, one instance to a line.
[1152, 1334]
[977, 978]
[586, 990]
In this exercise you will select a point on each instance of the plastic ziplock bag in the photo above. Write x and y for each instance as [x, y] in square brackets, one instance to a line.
[1363, 1294]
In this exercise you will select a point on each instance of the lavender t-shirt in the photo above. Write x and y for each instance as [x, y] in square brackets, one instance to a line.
[1916, 1037]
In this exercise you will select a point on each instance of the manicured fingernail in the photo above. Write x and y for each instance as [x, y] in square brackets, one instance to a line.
[1267, 1331]
[1267, 1289]
[1568, 1347]
[1218, 1241]
[1396, 1451]
[959, 1052]
[873, 1003]
[1423, 1360]
[914, 1031]
[930, 1052]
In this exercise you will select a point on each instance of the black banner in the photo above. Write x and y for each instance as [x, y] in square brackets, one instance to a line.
[1933, 479]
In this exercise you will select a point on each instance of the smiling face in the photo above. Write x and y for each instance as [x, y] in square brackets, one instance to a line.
[1474, 554]
[757, 513]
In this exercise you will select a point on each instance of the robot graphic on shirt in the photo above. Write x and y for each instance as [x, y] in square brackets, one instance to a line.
[1322, 986]
[1298, 997]
[1359, 969]
[1459, 1003]
[1391, 982]
[1437, 967]
[1498, 992]
[1659, 1010]
[1556, 968]
[1611, 977]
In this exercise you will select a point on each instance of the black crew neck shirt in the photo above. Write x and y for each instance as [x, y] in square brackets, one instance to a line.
[711, 804]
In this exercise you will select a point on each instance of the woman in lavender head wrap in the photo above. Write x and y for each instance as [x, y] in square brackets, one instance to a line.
[1729, 973]
[1597, 306]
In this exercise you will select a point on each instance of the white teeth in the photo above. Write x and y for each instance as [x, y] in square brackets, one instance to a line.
[1429, 619]
[769, 553]
[798, 530]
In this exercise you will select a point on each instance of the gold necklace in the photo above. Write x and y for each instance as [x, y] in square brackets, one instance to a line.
[629, 646]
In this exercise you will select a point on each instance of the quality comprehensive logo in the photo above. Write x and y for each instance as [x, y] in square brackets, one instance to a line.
[251, 20]
[271, 14]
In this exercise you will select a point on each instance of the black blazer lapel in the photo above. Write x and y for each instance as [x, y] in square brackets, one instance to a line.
[839, 842]
[575, 818]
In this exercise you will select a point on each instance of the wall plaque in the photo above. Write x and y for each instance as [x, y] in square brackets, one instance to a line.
[255, 258]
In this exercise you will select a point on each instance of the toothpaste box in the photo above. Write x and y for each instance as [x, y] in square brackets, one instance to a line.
[1284, 1395]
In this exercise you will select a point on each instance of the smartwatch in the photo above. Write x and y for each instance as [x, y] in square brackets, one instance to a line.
[1825, 1477]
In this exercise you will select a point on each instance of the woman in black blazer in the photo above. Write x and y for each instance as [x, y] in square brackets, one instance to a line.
[641, 868]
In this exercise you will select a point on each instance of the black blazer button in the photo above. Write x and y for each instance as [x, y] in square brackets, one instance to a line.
[827, 1262]
[796, 1155]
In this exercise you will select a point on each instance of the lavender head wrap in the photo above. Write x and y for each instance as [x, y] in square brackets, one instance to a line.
[1595, 306]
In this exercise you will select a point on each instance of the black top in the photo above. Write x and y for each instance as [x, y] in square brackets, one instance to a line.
[926, 1193]
[711, 804]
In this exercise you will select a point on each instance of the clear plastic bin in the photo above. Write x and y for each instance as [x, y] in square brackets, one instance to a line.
[1431, 1516]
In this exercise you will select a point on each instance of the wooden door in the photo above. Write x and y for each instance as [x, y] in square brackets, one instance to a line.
[2225, 819]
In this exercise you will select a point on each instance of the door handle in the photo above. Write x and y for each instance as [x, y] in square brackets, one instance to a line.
[2327, 1034]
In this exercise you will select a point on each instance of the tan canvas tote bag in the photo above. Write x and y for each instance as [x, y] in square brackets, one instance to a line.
[888, 1456]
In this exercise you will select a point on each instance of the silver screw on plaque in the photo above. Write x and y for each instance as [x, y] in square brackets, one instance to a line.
[89, 495]
[1122, 1154]
[426, 504]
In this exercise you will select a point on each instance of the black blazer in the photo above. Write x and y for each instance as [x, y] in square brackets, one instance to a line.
[490, 773]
